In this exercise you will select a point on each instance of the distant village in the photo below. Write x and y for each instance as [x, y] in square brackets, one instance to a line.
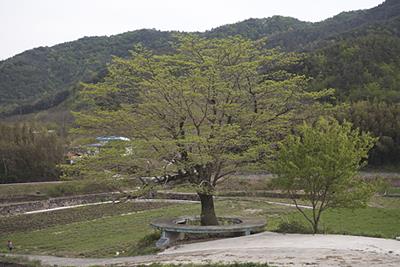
[76, 153]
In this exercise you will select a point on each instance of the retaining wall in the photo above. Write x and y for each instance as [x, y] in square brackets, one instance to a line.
[21, 207]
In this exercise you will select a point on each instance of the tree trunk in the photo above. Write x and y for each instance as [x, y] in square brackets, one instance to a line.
[207, 216]
[315, 226]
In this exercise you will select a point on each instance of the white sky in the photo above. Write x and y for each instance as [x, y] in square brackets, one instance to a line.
[25, 24]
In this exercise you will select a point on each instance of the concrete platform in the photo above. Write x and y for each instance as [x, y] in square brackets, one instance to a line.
[175, 229]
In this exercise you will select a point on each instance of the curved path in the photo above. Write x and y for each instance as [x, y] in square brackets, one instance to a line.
[276, 249]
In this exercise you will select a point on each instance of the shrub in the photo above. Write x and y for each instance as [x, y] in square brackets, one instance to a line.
[293, 227]
[146, 245]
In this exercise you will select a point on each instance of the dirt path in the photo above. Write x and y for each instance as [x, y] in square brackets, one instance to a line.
[151, 200]
[108, 202]
[276, 249]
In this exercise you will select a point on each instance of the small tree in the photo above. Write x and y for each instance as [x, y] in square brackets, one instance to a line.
[201, 112]
[321, 164]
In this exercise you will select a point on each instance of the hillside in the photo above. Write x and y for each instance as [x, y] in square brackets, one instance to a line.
[43, 77]
[383, 18]
[258, 28]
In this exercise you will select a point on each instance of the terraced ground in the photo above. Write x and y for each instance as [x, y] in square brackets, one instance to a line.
[123, 228]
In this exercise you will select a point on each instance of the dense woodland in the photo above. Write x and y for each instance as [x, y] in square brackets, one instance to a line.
[28, 152]
[356, 53]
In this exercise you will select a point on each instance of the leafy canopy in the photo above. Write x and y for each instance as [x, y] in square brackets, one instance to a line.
[202, 112]
[322, 162]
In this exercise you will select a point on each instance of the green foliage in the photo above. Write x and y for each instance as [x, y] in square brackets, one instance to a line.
[293, 227]
[201, 112]
[374, 222]
[322, 162]
[37, 191]
[146, 245]
[255, 29]
[382, 120]
[362, 68]
[43, 77]
[110, 162]
[88, 186]
[28, 153]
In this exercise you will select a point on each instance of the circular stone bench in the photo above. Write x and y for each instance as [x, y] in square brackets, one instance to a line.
[175, 229]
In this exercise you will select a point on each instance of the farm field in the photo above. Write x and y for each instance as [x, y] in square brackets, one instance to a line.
[244, 182]
[122, 229]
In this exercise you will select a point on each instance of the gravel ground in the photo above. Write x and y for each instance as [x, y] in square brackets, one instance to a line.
[276, 249]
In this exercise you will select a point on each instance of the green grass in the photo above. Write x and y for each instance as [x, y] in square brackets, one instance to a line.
[37, 221]
[393, 190]
[94, 238]
[375, 221]
[103, 237]
[385, 202]
[245, 183]
[110, 231]
[10, 190]
[32, 191]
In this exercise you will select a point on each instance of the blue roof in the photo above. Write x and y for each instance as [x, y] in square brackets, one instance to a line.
[112, 138]
[95, 145]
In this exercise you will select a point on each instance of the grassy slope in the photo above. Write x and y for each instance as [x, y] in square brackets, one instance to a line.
[32, 191]
[103, 237]
[373, 222]
[98, 237]
[37, 221]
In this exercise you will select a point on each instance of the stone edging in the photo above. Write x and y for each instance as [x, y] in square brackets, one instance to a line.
[22, 207]
[173, 230]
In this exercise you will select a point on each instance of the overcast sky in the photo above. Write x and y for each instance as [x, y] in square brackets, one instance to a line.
[26, 24]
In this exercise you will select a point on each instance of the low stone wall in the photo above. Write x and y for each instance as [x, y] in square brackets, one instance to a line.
[174, 195]
[26, 206]
[10, 264]
[22, 207]
[24, 198]
[271, 194]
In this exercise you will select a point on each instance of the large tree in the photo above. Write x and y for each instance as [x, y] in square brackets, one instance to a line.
[202, 112]
[320, 164]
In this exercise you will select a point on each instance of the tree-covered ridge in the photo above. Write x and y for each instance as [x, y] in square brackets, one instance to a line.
[364, 68]
[43, 77]
[356, 23]
[41, 73]
[258, 28]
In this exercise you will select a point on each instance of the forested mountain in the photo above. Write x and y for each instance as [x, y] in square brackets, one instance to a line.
[39, 78]
[363, 68]
[350, 52]
[383, 18]
[258, 28]
[294, 35]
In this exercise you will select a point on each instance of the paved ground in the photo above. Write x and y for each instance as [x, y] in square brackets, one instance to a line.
[276, 249]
